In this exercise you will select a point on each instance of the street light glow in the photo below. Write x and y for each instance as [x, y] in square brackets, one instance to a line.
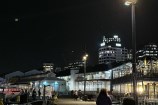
[16, 19]
[140, 90]
[129, 2]
[85, 57]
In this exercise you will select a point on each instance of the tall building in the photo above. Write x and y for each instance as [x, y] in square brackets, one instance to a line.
[48, 67]
[111, 50]
[149, 52]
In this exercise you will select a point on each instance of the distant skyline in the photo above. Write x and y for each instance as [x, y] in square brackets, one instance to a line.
[59, 31]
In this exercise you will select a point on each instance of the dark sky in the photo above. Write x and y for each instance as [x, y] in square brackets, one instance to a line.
[49, 30]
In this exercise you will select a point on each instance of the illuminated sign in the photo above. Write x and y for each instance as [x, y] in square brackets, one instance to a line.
[9, 90]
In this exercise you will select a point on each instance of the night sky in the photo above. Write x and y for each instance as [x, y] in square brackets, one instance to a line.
[60, 31]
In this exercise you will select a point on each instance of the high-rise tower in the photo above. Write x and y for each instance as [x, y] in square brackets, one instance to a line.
[111, 50]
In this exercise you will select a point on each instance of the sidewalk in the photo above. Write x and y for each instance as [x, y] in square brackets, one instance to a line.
[69, 101]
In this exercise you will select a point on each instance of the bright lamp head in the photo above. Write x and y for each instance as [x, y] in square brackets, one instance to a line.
[85, 57]
[129, 2]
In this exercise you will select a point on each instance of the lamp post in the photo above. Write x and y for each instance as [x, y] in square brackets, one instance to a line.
[44, 94]
[134, 73]
[44, 91]
[85, 61]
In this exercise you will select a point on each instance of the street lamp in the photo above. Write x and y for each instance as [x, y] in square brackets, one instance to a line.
[44, 94]
[85, 60]
[132, 3]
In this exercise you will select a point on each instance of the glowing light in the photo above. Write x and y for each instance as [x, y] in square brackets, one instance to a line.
[127, 3]
[115, 36]
[102, 44]
[118, 44]
[40, 86]
[56, 83]
[85, 57]
[140, 90]
[45, 83]
[10, 90]
[16, 19]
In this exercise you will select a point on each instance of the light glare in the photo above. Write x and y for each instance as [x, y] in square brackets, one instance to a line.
[16, 19]
[127, 3]
[118, 44]
[102, 44]
[140, 90]
[85, 57]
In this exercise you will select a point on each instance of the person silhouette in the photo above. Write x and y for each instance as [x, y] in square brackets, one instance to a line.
[39, 93]
[103, 98]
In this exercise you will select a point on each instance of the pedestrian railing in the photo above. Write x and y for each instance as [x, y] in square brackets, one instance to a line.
[151, 102]
[148, 102]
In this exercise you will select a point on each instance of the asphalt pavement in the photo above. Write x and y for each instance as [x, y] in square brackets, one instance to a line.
[71, 101]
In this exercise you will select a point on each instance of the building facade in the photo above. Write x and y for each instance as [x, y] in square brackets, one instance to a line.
[111, 50]
[75, 65]
[149, 52]
[48, 67]
[94, 80]
[117, 79]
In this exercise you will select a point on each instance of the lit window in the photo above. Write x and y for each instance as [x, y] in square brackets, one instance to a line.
[102, 44]
[115, 36]
[118, 44]
[100, 56]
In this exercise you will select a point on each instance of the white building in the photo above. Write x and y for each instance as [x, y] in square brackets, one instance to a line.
[36, 79]
[95, 80]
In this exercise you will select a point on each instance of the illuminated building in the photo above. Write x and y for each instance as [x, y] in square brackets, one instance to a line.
[37, 80]
[75, 65]
[116, 77]
[97, 77]
[149, 52]
[147, 82]
[111, 50]
[48, 67]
